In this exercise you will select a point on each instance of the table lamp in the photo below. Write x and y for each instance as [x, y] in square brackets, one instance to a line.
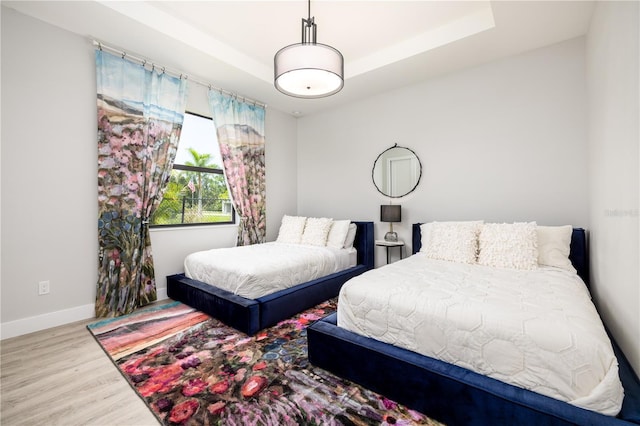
[390, 213]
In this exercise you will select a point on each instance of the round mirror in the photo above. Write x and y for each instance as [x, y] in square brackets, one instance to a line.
[396, 171]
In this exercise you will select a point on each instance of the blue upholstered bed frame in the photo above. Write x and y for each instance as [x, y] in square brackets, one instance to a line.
[451, 394]
[252, 315]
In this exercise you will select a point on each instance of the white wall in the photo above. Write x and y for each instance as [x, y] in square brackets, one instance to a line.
[49, 179]
[614, 137]
[505, 141]
[49, 171]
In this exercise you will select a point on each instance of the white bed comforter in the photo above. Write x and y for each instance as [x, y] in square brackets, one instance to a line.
[260, 269]
[535, 329]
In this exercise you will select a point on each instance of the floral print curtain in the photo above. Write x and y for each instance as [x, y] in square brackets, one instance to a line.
[240, 130]
[140, 115]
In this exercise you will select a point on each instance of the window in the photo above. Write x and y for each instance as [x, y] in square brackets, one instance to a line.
[197, 193]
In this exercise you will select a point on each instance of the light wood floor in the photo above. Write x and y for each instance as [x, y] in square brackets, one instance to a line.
[61, 376]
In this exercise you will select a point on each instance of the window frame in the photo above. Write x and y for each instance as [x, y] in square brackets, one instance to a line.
[186, 168]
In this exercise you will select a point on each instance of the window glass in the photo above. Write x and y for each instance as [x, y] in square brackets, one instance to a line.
[197, 191]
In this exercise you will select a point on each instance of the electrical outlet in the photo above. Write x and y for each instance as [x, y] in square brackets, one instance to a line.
[43, 288]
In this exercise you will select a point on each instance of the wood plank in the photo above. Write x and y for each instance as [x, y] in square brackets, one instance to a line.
[61, 376]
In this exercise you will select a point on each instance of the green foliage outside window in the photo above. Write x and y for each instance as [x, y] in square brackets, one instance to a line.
[194, 197]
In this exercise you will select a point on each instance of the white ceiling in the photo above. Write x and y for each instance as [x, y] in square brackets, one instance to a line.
[386, 44]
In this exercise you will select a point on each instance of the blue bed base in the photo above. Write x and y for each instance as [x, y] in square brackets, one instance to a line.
[252, 315]
[451, 394]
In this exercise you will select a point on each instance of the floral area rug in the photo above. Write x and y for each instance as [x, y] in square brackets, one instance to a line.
[192, 369]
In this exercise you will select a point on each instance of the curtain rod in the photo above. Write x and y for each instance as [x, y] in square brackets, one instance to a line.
[142, 61]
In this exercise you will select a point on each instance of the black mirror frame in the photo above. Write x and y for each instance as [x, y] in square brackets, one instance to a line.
[374, 168]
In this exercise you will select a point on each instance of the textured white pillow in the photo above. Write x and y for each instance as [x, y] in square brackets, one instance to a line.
[351, 236]
[554, 243]
[452, 241]
[508, 245]
[291, 229]
[338, 233]
[316, 231]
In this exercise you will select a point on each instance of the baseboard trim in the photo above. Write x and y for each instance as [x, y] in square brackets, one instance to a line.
[54, 319]
[48, 320]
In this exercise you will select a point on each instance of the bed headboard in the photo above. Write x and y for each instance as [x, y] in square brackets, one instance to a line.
[578, 250]
[364, 243]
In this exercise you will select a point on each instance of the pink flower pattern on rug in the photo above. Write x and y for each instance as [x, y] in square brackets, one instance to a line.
[207, 373]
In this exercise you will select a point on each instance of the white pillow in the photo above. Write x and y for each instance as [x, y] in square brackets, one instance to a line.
[451, 241]
[351, 236]
[316, 231]
[291, 229]
[338, 233]
[554, 243]
[508, 245]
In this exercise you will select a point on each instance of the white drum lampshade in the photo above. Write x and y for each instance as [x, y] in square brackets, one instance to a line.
[308, 69]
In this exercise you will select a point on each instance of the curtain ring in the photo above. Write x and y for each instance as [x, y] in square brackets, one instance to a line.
[100, 46]
[124, 54]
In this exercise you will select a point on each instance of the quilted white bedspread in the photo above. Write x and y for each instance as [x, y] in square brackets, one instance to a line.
[537, 329]
[260, 269]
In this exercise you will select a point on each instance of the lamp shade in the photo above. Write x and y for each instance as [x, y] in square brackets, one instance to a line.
[308, 70]
[390, 213]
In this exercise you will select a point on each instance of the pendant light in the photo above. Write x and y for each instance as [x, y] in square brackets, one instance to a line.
[308, 69]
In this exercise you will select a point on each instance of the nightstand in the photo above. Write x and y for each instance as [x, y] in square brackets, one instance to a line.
[391, 244]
